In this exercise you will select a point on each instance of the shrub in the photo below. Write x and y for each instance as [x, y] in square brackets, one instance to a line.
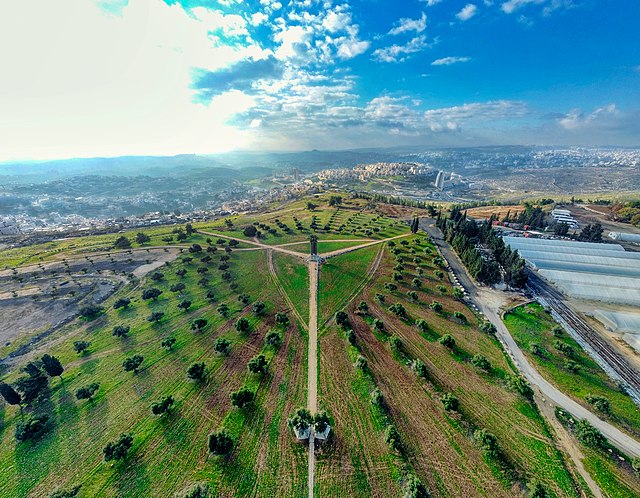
[361, 363]
[222, 346]
[342, 318]
[377, 398]
[396, 344]
[273, 338]
[65, 493]
[422, 325]
[242, 325]
[258, 307]
[321, 421]
[488, 328]
[448, 341]
[282, 319]
[220, 443]
[196, 371]
[399, 310]
[223, 309]
[31, 427]
[179, 287]
[258, 364]
[392, 437]
[155, 316]
[420, 368]
[117, 450]
[351, 337]
[163, 406]
[123, 302]
[436, 306]
[589, 435]
[564, 348]
[480, 361]
[195, 491]
[151, 293]
[461, 317]
[198, 324]
[88, 391]
[300, 420]
[536, 349]
[90, 311]
[520, 385]
[487, 442]
[132, 363]
[450, 402]
[120, 330]
[413, 488]
[242, 397]
[81, 347]
[168, 343]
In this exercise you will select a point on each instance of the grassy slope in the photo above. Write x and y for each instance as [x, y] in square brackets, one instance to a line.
[444, 448]
[340, 278]
[293, 275]
[168, 452]
[531, 324]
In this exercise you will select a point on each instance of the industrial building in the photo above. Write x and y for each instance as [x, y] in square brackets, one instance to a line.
[584, 270]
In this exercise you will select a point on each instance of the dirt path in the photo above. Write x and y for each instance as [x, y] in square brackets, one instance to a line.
[566, 443]
[345, 250]
[257, 244]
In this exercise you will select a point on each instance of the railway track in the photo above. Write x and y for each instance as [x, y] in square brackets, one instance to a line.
[600, 349]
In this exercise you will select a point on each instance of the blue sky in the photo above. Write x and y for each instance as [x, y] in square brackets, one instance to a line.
[112, 77]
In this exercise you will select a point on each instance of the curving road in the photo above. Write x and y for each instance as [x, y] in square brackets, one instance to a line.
[619, 439]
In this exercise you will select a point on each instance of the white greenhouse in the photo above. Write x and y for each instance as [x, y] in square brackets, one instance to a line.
[601, 272]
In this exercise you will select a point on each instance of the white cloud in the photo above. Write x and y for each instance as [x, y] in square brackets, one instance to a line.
[405, 25]
[294, 41]
[512, 5]
[399, 53]
[447, 61]
[576, 119]
[467, 12]
[431, 3]
[124, 89]
[348, 48]
[259, 18]
[336, 21]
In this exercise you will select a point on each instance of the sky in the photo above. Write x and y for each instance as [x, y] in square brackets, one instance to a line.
[87, 78]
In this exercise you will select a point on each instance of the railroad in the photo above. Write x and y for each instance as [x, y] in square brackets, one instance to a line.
[599, 348]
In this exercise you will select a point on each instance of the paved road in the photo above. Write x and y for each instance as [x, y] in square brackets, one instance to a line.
[622, 441]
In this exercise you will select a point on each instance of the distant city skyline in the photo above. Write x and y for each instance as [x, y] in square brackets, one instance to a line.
[88, 78]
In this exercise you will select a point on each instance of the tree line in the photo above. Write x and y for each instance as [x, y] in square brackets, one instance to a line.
[466, 236]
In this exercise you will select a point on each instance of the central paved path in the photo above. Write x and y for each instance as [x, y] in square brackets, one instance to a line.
[312, 377]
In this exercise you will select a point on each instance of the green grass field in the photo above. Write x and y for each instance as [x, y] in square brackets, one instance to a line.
[170, 451]
[529, 325]
[293, 275]
[340, 279]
